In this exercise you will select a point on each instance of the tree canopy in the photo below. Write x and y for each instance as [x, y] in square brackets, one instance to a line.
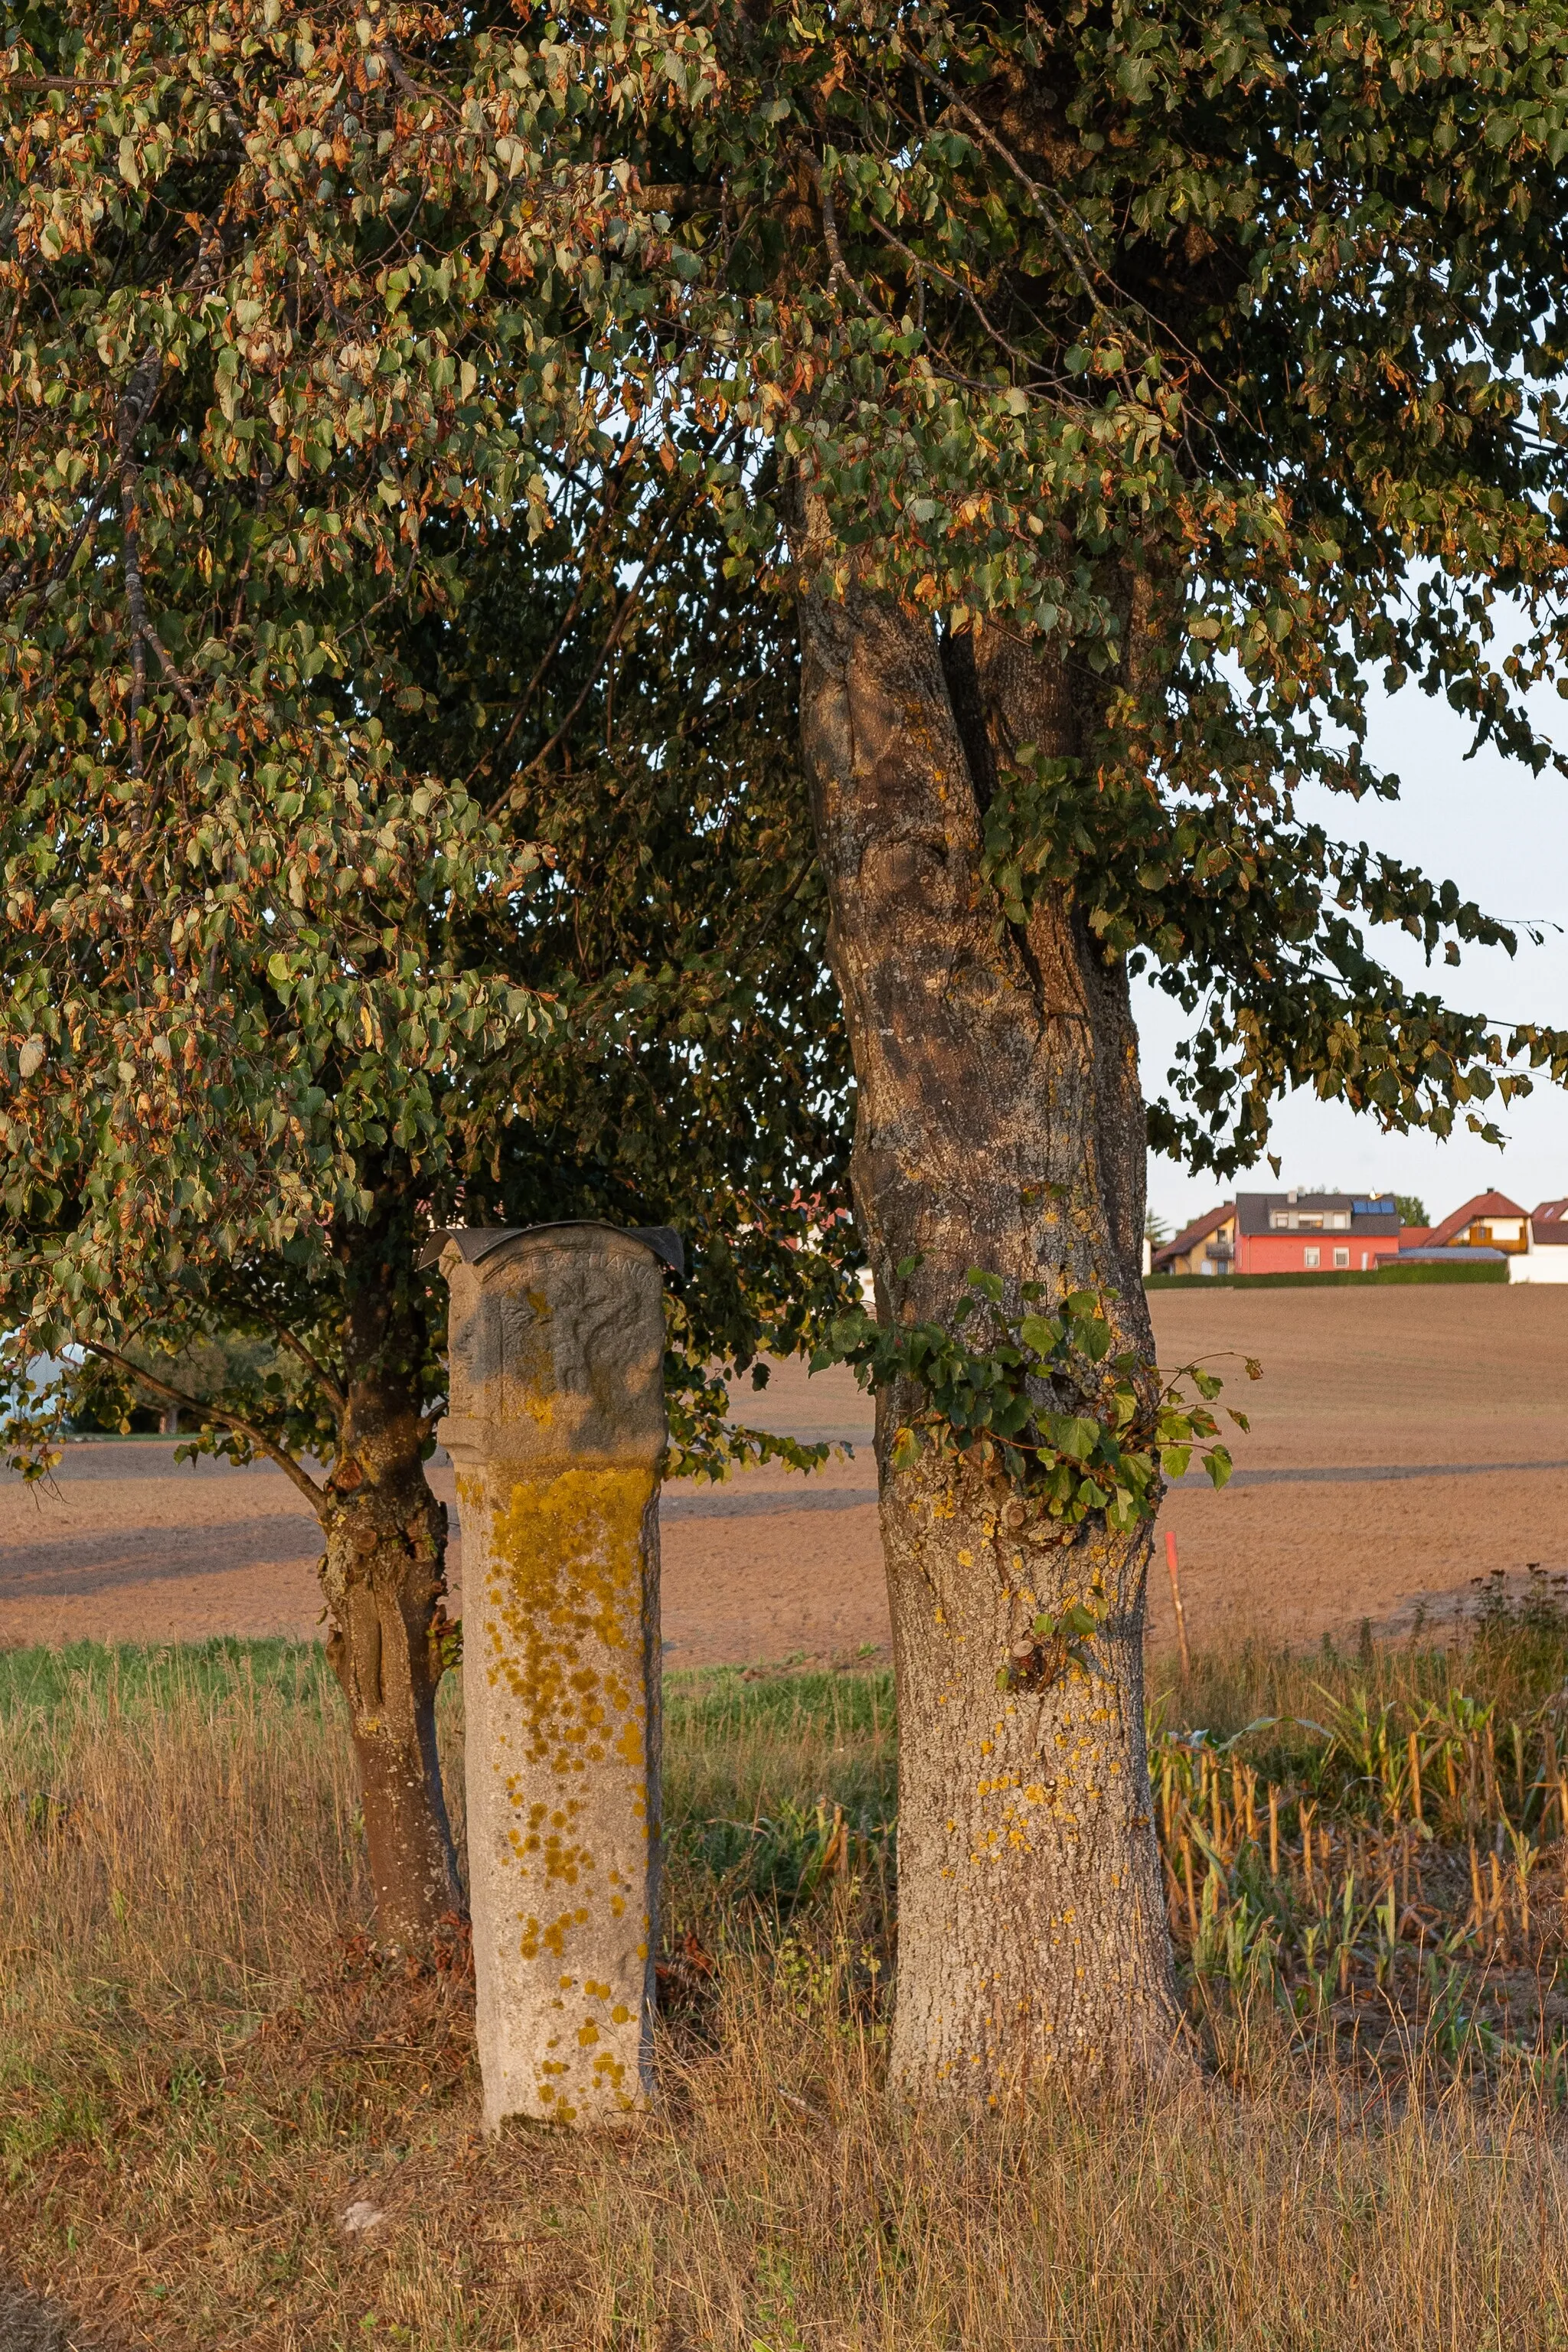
[401, 804]
[401, 826]
[1223, 354]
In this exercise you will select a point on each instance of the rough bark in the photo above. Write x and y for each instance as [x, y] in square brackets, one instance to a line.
[385, 1581]
[1000, 1124]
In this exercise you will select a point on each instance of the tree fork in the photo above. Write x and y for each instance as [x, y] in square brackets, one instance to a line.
[999, 1124]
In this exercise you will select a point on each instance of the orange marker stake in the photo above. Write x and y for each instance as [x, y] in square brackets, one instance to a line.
[1176, 1599]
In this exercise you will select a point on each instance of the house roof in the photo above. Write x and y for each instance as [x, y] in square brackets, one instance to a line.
[1549, 1224]
[1253, 1209]
[1454, 1253]
[1484, 1205]
[1190, 1235]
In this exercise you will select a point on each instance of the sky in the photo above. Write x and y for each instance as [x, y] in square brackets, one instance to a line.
[1501, 834]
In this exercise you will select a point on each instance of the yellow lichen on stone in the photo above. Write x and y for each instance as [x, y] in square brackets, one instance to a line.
[564, 1577]
[563, 1607]
[538, 1406]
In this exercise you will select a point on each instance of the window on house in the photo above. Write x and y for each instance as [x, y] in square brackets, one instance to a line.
[1342, 1257]
[1311, 1257]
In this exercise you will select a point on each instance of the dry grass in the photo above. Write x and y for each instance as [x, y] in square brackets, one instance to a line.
[204, 2064]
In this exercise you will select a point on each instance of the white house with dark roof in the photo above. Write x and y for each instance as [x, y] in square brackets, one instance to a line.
[1545, 1256]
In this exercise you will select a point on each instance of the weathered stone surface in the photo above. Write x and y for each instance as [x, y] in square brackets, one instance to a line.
[557, 1426]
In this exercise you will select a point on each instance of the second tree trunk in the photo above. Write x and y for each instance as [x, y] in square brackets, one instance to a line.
[999, 1125]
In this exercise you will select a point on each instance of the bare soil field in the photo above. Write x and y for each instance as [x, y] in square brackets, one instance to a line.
[1404, 1443]
[1435, 1380]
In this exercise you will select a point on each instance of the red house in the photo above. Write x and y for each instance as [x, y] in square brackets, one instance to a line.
[1313, 1232]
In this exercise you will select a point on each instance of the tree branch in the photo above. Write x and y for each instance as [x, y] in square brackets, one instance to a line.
[315, 1496]
[1050, 208]
[176, 677]
[616, 477]
[329, 1387]
[135, 407]
[1042, 198]
[135, 599]
[12, 579]
[628, 606]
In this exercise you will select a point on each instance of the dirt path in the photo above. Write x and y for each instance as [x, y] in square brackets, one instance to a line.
[1366, 1490]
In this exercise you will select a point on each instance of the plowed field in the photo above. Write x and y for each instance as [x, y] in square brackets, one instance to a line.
[1405, 1442]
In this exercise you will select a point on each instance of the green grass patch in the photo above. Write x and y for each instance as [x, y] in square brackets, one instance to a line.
[708, 1707]
[773, 1783]
[126, 1675]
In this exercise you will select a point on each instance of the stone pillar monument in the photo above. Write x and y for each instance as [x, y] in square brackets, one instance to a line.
[556, 1423]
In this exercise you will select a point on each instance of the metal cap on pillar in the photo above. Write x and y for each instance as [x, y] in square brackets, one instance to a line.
[556, 1423]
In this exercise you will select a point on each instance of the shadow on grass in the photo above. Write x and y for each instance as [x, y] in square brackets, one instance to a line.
[30, 2323]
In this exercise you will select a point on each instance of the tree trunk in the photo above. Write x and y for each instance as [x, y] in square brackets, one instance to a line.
[1000, 1125]
[385, 1579]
